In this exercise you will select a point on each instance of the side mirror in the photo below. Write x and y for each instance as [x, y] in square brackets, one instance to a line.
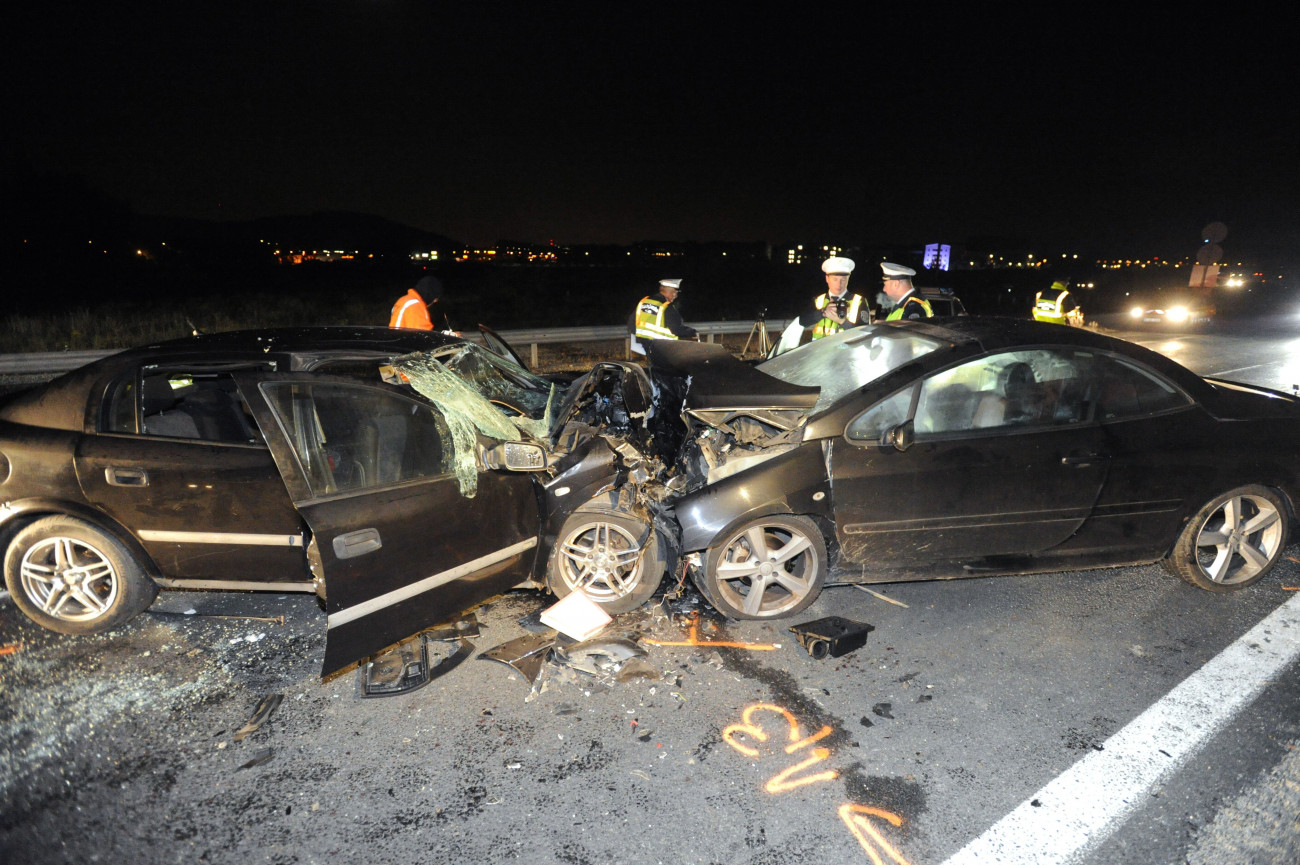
[899, 437]
[514, 457]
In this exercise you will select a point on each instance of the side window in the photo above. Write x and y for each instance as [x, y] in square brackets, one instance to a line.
[205, 407]
[1016, 389]
[1126, 390]
[350, 438]
[872, 423]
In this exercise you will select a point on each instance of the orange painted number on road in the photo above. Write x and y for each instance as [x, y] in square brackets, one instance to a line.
[857, 818]
[785, 780]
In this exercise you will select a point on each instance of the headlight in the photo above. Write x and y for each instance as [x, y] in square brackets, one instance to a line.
[1177, 313]
[1136, 312]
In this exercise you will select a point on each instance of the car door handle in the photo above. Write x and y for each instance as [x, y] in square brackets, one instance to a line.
[357, 543]
[1082, 459]
[126, 477]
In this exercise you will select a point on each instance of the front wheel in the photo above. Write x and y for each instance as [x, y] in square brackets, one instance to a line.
[72, 577]
[1233, 541]
[614, 560]
[767, 569]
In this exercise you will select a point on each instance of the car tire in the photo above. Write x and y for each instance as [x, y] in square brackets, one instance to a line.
[783, 580]
[1233, 541]
[72, 577]
[615, 560]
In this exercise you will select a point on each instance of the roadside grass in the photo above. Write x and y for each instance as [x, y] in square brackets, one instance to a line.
[127, 324]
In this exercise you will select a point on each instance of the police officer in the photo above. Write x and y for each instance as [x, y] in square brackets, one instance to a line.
[658, 318]
[908, 304]
[1056, 306]
[837, 308]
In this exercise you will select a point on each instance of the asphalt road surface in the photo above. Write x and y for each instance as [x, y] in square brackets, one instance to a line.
[1108, 716]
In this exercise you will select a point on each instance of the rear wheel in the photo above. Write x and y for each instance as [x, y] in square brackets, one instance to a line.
[72, 577]
[1233, 541]
[767, 569]
[613, 559]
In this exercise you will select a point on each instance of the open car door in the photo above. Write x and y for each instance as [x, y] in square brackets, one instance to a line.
[397, 542]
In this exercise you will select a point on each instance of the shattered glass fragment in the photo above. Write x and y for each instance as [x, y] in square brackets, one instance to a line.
[262, 756]
[471, 388]
[261, 713]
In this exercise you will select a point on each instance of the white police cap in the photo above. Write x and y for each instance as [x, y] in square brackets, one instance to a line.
[896, 271]
[836, 264]
[675, 284]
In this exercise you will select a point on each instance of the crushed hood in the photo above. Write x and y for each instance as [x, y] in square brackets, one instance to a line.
[717, 380]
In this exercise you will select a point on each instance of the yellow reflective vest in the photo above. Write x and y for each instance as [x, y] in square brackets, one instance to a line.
[825, 326]
[901, 309]
[1050, 309]
[650, 320]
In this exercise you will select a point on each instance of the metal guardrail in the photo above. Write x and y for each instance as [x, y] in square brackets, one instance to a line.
[33, 363]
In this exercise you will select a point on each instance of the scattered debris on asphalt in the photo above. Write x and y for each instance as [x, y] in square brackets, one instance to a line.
[10, 648]
[262, 756]
[264, 710]
[275, 620]
[693, 639]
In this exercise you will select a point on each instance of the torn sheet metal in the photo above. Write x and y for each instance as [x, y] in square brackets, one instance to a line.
[261, 714]
[600, 657]
[546, 661]
[526, 654]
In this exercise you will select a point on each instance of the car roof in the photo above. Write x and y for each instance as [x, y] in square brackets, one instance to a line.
[995, 333]
[61, 403]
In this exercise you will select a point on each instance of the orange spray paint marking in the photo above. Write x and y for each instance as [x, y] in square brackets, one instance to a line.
[694, 640]
[782, 782]
[856, 817]
[11, 648]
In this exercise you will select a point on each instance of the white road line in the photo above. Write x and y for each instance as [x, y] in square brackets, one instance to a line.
[1078, 810]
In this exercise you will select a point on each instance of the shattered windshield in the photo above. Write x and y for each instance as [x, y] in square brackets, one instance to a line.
[478, 392]
[842, 363]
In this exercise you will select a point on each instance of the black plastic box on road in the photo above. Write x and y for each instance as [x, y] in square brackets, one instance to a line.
[833, 636]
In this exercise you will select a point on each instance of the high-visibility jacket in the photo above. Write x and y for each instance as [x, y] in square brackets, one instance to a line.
[901, 311]
[650, 319]
[1051, 309]
[826, 326]
[410, 311]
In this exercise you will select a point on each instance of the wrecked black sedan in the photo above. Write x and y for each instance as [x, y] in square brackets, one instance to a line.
[983, 446]
[390, 472]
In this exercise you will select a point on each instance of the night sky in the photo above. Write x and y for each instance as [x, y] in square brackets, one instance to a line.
[623, 122]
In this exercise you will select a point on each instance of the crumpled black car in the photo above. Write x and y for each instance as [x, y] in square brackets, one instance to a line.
[982, 446]
[385, 470]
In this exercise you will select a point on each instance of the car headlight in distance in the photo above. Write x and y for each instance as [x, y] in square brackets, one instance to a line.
[1177, 313]
[1136, 312]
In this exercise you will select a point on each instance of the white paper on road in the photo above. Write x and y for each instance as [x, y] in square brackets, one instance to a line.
[1078, 810]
